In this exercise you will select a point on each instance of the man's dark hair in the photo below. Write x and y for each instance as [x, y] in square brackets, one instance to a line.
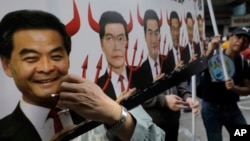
[189, 16]
[150, 14]
[173, 15]
[109, 17]
[199, 17]
[28, 19]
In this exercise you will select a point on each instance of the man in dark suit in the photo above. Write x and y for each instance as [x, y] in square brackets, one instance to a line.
[202, 40]
[192, 49]
[164, 108]
[36, 76]
[35, 53]
[174, 59]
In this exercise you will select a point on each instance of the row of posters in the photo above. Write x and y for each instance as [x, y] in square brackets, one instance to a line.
[82, 19]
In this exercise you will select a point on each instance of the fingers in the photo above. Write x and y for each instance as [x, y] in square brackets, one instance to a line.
[195, 107]
[229, 84]
[125, 94]
[72, 78]
[159, 76]
[181, 102]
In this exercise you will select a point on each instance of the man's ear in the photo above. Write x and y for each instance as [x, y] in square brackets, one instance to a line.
[6, 66]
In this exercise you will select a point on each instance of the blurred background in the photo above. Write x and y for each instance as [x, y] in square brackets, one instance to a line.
[228, 15]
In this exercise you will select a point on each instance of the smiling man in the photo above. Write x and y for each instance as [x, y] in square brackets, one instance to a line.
[35, 53]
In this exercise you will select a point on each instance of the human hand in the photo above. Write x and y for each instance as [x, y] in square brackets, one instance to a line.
[87, 99]
[193, 58]
[214, 44]
[159, 76]
[229, 83]
[125, 94]
[175, 102]
[179, 65]
[194, 105]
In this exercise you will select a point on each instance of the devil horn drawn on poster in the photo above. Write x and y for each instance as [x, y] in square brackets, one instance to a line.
[141, 20]
[73, 26]
[96, 27]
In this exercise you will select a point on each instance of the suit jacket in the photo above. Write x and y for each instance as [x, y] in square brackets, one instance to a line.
[21, 128]
[156, 107]
[186, 54]
[169, 63]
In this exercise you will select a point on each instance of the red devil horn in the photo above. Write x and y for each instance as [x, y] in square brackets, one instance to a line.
[73, 26]
[168, 21]
[130, 24]
[160, 20]
[140, 19]
[94, 25]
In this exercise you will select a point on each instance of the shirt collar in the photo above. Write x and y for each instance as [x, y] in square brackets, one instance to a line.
[36, 114]
[115, 76]
[152, 62]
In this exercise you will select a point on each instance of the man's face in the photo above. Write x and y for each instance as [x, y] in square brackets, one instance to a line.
[190, 29]
[200, 28]
[113, 44]
[152, 37]
[175, 31]
[238, 43]
[38, 63]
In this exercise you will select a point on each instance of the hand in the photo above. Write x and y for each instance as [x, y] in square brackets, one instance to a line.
[194, 105]
[214, 44]
[175, 102]
[125, 94]
[179, 65]
[229, 83]
[193, 58]
[159, 76]
[88, 100]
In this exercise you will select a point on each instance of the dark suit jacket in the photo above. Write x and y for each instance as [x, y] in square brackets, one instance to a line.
[160, 113]
[17, 127]
[186, 54]
[169, 63]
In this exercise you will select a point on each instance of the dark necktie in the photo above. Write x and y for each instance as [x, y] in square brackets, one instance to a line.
[57, 122]
[122, 84]
[156, 68]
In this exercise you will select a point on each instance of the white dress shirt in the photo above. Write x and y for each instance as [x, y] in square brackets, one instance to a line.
[38, 117]
[117, 84]
[177, 58]
[152, 66]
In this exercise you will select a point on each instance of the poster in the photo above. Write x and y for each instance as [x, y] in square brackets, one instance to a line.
[86, 43]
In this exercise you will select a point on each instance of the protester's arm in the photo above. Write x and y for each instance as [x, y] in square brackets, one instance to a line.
[214, 44]
[185, 93]
[88, 100]
[145, 129]
[239, 89]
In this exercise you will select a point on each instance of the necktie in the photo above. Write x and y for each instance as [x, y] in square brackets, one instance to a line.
[156, 68]
[57, 122]
[122, 84]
